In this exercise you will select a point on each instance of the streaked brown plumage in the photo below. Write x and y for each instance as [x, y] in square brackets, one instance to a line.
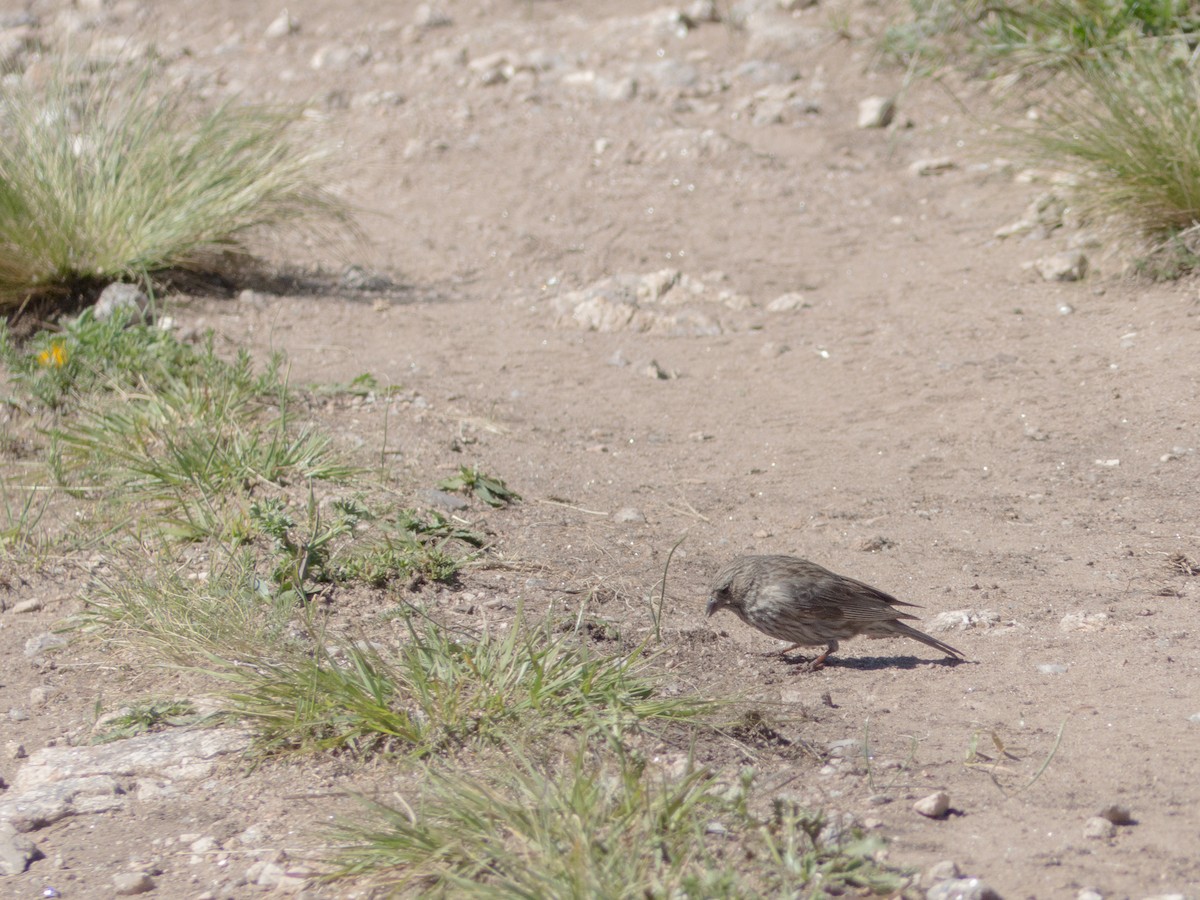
[796, 600]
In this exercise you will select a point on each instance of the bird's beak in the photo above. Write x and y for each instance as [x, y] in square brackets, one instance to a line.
[714, 603]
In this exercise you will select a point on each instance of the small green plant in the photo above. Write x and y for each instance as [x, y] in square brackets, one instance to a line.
[605, 825]
[108, 175]
[492, 491]
[994, 765]
[440, 691]
[149, 715]
[305, 558]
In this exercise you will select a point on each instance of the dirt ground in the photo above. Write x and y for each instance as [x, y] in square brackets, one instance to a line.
[928, 414]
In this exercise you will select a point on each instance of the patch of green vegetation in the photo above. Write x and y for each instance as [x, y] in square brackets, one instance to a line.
[187, 614]
[606, 825]
[148, 715]
[1029, 36]
[491, 490]
[1131, 132]
[440, 690]
[110, 174]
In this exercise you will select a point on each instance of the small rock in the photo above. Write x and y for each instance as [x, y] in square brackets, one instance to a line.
[1194, 717]
[17, 851]
[1089, 894]
[1052, 669]
[875, 544]
[282, 25]
[935, 166]
[961, 889]
[358, 278]
[964, 620]
[429, 16]
[17, 714]
[1065, 309]
[1070, 265]
[935, 806]
[879, 799]
[444, 500]
[1118, 815]
[119, 296]
[33, 604]
[654, 370]
[39, 696]
[788, 302]
[771, 350]
[1098, 828]
[845, 747]
[1083, 621]
[14, 750]
[942, 871]
[876, 112]
[128, 883]
[40, 643]
[629, 514]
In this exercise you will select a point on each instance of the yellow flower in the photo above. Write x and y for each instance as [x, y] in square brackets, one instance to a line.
[54, 355]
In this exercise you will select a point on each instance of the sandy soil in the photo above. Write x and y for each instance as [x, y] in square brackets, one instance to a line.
[927, 418]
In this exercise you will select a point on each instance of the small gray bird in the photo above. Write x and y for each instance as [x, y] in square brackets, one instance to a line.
[796, 600]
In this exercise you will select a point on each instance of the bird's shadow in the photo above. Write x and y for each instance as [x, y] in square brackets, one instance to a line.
[872, 663]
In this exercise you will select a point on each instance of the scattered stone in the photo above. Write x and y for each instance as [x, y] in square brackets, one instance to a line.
[282, 25]
[942, 871]
[1108, 463]
[40, 643]
[14, 750]
[33, 604]
[444, 500]
[1065, 309]
[127, 884]
[789, 302]
[1040, 218]
[1089, 894]
[358, 278]
[961, 889]
[935, 806]
[429, 16]
[1118, 815]
[964, 620]
[1194, 717]
[875, 544]
[123, 297]
[16, 850]
[771, 350]
[17, 714]
[935, 166]
[876, 112]
[879, 799]
[654, 370]
[629, 514]
[1070, 265]
[1052, 669]
[1098, 828]
[847, 747]
[1083, 621]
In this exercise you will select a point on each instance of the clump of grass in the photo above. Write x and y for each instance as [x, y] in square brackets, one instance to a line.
[1131, 131]
[112, 175]
[605, 826]
[442, 691]
[185, 614]
[1033, 36]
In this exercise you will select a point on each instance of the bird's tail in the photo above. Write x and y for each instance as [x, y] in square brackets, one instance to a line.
[909, 631]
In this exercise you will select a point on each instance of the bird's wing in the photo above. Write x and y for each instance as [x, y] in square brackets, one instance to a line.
[847, 599]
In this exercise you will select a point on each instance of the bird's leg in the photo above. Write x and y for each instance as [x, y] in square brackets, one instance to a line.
[785, 651]
[819, 662]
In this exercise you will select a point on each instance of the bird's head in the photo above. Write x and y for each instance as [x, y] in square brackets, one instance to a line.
[724, 594]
